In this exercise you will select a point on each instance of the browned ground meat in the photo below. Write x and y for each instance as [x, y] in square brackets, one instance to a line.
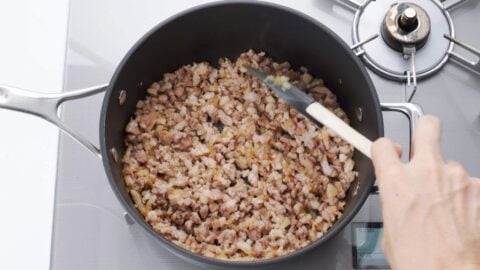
[220, 166]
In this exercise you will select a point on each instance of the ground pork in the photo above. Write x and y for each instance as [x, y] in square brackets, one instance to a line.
[219, 165]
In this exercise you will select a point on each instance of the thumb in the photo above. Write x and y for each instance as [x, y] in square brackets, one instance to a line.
[385, 155]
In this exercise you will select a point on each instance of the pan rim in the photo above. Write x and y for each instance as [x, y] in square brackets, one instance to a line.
[182, 252]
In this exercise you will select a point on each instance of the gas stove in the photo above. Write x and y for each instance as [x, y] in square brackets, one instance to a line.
[422, 50]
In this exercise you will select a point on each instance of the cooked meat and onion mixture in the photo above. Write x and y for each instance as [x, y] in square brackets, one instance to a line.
[217, 164]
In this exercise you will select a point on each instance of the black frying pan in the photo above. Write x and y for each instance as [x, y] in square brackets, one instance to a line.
[207, 33]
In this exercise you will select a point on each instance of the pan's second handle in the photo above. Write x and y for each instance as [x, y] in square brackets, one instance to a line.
[345, 131]
[46, 106]
[411, 111]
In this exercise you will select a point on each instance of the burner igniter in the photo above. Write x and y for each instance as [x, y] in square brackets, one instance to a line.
[405, 24]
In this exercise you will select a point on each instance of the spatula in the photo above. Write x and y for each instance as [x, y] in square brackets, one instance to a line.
[312, 109]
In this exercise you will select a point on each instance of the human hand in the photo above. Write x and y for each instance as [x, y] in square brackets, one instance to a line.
[431, 207]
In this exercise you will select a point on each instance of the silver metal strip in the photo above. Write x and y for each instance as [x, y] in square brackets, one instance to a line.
[351, 3]
[46, 107]
[411, 85]
[462, 60]
[361, 43]
[411, 110]
[451, 4]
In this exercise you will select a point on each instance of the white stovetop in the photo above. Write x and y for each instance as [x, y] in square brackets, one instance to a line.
[32, 52]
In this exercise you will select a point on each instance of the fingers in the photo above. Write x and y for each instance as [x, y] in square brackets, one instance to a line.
[454, 165]
[456, 172]
[385, 155]
[399, 150]
[476, 183]
[426, 138]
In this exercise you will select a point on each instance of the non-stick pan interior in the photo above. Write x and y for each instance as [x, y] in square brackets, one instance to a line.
[225, 30]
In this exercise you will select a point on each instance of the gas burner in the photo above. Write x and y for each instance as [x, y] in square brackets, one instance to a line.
[417, 39]
[406, 29]
[405, 24]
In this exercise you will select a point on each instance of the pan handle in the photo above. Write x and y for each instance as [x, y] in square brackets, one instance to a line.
[411, 110]
[45, 106]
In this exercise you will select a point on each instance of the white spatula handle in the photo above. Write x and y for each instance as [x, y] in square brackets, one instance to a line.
[346, 132]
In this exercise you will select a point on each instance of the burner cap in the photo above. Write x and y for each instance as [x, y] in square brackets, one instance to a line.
[406, 24]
